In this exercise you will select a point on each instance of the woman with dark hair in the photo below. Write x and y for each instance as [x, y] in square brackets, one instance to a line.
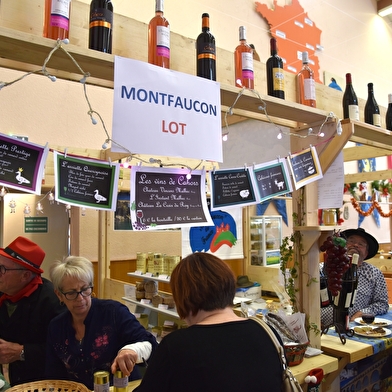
[218, 350]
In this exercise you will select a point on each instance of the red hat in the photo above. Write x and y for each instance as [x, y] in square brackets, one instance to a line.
[26, 253]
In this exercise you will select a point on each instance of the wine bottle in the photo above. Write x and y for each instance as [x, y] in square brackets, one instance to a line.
[388, 116]
[324, 294]
[205, 50]
[101, 26]
[243, 60]
[275, 75]
[372, 111]
[354, 267]
[56, 19]
[350, 101]
[306, 88]
[159, 38]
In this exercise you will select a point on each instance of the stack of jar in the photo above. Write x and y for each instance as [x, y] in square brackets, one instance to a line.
[156, 263]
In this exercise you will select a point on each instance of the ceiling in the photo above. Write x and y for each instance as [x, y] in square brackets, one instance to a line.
[382, 4]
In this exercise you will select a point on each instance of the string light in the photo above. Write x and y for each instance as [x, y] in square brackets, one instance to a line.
[3, 192]
[27, 210]
[12, 205]
[225, 136]
[51, 198]
[40, 208]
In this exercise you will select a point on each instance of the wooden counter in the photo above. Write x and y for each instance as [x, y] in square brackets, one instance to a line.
[327, 363]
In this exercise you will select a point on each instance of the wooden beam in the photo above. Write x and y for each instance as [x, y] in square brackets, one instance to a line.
[362, 152]
[368, 176]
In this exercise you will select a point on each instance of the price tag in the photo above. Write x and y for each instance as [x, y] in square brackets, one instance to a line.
[168, 323]
[138, 272]
[145, 301]
[149, 274]
[137, 315]
[164, 277]
[163, 306]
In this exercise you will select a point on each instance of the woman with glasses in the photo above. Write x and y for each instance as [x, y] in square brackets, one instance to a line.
[95, 334]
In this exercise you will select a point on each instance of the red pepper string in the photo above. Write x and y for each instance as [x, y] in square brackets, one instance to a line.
[374, 205]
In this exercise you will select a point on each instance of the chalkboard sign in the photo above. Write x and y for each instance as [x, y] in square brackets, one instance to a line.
[166, 198]
[305, 167]
[272, 179]
[234, 187]
[21, 164]
[86, 182]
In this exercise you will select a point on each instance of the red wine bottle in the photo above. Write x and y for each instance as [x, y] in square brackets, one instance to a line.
[388, 116]
[275, 75]
[350, 101]
[206, 52]
[56, 19]
[354, 268]
[372, 111]
[159, 38]
[101, 26]
[243, 60]
[324, 293]
[306, 87]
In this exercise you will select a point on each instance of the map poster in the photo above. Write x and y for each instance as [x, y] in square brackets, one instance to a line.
[21, 164]
[164, 198]
[305, 167]
[272, 179]
[86, 182]
[232, 187]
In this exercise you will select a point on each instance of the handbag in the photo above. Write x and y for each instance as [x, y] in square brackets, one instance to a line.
[290, 383]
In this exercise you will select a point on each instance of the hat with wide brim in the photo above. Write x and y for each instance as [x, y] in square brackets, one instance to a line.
[243, 281]
[25, 253]
[371, 241]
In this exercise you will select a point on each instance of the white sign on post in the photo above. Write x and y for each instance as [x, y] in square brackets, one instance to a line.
[159, 111]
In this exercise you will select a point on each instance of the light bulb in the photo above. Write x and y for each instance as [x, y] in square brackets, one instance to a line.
[52, 78]
[94, 121]
[40, 208]
[27, 210]
[225, 137]
[51, 198]
[280, 135]
[66, 41]
[189, 176]
[3, 192]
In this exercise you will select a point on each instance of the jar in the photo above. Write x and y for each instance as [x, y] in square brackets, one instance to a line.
[120, 382]
[141, 262]
[329, 217]
[101, 381]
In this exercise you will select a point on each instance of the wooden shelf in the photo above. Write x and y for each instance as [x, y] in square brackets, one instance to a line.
[167, 312]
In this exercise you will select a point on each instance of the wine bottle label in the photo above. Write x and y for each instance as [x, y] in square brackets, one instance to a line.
[278, 78]
[101, 17]
[377, 119]
[348, 300]
[163, 41]
[59, 14]
[353, 112]
[309, 89]
[354, 296]
[205, 50]
[324, 297]
[247, 65]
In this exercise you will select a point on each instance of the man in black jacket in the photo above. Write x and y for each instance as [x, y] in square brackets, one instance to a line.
[27, 305]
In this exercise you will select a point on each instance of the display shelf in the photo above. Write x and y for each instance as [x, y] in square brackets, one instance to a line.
[148, 277]
[167, 312]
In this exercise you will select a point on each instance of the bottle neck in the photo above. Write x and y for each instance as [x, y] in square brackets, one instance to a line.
[274, 50]
[242, 35]
[205, 24]
[348, 79]
[159, 6]
[370, 89]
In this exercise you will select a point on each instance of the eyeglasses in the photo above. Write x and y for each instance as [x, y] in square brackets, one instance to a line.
[360, 244]
[72, 295]
[4, 269]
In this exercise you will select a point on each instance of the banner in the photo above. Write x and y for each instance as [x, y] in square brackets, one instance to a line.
[21, 164]
[166, 198]
[85, 182]
[162, 112]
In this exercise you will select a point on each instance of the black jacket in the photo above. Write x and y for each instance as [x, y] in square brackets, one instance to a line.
[28, 326]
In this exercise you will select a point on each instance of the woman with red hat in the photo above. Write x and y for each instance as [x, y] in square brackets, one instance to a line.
[27, 305]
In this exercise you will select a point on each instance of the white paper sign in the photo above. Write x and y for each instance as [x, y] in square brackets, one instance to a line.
[158, 111]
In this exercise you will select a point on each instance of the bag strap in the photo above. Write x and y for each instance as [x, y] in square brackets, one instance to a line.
[294, 385]
[274, 339]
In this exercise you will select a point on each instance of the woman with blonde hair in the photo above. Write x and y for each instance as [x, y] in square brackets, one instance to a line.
[95, 334]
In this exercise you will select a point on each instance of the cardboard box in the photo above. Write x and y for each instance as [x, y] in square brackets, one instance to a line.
[253, 292]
